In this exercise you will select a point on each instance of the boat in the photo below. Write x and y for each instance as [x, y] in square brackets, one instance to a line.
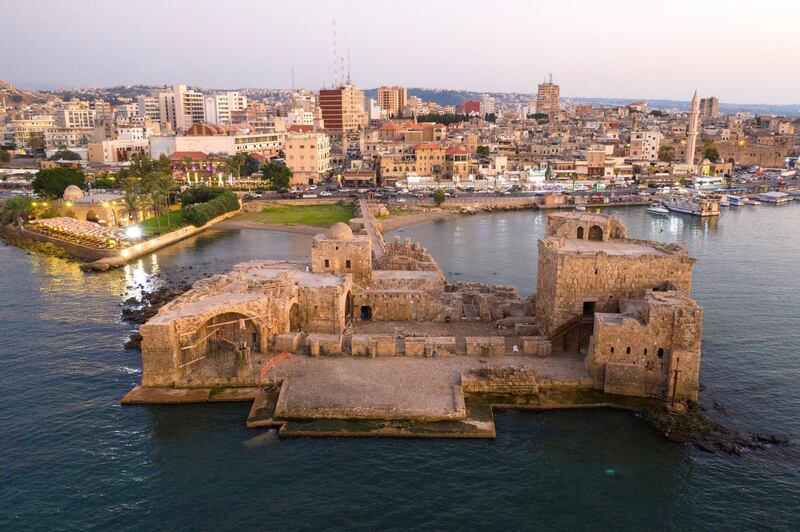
[657, 208]
[735, 201]
[580, 208]
[778, 198]
[723, 200]
[751, 201]
[694, 205]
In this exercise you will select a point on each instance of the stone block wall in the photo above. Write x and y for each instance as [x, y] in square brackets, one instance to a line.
[486, 346]
[429, 346]
[662, 336]
[325, 344]
[373, 345]
[505, 381]
[353, 256]
[566, 280]
[290, 342]
[536, 346]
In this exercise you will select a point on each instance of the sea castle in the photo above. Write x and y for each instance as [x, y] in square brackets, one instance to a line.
[373, 330]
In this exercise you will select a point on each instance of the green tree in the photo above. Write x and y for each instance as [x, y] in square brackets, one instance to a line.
[165, 183]
[16, 209]
[490, 117]
[65, 154]
[36, 141]
[234, 164]
[141, 165]
[484, 150]
[51, 182]
[163, 164]
[251, 166]
[438, 196]
[666, 153]
[154, 195]
[131, 205]
[277, 175]
[711, 153]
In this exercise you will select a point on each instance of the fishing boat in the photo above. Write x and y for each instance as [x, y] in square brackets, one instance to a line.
[657, 208]
[694, 205]
[735, 201]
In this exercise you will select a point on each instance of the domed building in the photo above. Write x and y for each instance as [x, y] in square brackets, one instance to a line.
[72, 193]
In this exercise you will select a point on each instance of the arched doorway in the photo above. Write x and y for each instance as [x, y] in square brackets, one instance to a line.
[595, 233]
[220, 345]
[348, 307]
[294, 318]
[366, 313]
[580, 233]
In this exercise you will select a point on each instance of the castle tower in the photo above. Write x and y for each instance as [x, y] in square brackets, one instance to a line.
[691, 137]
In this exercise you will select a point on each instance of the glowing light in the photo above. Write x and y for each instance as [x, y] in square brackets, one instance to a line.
[133, 232]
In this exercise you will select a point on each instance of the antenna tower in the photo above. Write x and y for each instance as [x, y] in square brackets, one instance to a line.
[335, 73]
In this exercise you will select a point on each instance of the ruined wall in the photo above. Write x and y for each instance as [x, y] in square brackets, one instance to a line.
[340, 257]
[323, 309]
[567, 280]
[397, 305]
[405, 255]
[637, 353]
[585, 227]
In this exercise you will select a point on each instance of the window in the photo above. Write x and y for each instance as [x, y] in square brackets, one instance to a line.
[327, 263]
[660, 352]
[628, 350]
[347, 264]
[612, 349]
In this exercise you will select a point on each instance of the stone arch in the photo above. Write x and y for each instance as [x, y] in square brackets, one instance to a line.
[223, 341]
[348, 307]
[294, 317]
[580, 233]
[596, 233]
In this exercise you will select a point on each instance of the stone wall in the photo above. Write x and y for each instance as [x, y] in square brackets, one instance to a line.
[343, 254]
[638, 352]
[486, 346]
[505, 381]
[566, 280]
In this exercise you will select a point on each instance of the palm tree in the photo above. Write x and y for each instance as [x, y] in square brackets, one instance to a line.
[164, 183]
[131, 204]
[234, 164]
[153, 192]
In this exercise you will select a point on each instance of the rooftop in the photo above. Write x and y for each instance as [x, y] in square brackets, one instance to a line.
[612, 247]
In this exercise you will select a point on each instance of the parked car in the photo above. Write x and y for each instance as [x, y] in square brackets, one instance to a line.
[325, 194]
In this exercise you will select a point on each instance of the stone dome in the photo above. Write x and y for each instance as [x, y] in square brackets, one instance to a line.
[340, 231]
[72, 193]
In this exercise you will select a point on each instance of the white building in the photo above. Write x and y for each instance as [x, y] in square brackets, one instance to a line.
[644, 145]
[216, 144]
[219, 106]
[300, 117]
[75, 114]
[149, 108]
[181, 108]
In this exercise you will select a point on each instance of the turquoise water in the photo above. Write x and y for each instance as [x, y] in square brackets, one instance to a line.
[71, 457]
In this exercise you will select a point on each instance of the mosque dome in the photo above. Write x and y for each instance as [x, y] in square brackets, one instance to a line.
[72, 193]
[340, 231]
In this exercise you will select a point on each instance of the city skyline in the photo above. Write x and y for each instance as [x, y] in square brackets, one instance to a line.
[513, 54]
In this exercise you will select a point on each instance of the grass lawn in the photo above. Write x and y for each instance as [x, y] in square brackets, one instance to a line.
[150, 228]
[322, 215]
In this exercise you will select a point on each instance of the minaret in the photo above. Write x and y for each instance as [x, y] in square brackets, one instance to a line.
[691, 137]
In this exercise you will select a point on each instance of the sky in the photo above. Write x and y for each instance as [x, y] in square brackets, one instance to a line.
[741, 52]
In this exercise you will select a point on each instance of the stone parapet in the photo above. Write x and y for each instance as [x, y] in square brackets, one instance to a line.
[507, 381]
[373, 345]
[536, 346]
[325, 345]
[429, 346]
[486, 346]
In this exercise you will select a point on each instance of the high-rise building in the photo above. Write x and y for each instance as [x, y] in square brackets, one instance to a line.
[343, 108]
[488, 104]
[181, 108]
[709, 107]
[392, 99]
[469, 107]
[548, 98]
[148, 107]
[220, 106]
[691, 137]
[75, 114]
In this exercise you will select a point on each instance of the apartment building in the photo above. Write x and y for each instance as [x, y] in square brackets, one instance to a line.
[180, 108]
[548, 98]
[308, 155]
[75, 115]
[392, 99]
[221, 106]
[343, 108]
[645, 145]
